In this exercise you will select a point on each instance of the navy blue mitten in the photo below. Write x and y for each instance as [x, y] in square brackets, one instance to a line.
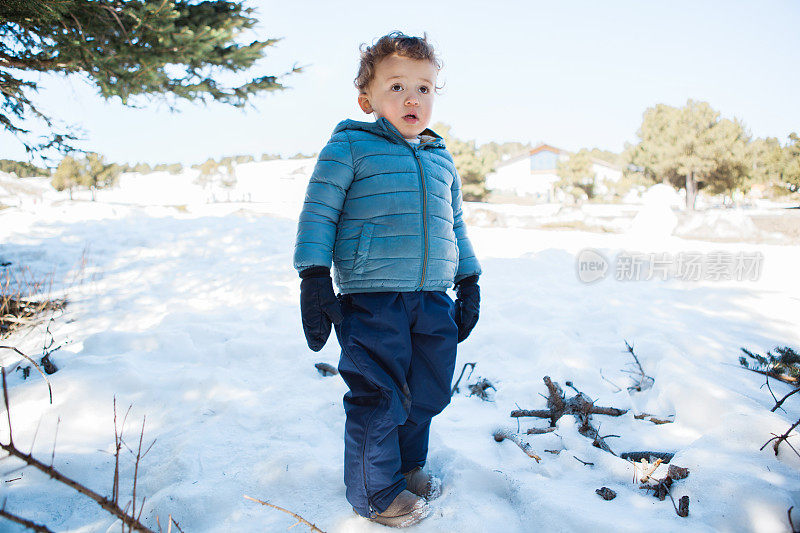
[318, 306]
[468, 305]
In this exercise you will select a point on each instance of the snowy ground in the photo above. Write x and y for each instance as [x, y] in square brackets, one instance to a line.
[191, 315]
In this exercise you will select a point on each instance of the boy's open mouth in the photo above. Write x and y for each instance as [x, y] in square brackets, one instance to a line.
[411, 117]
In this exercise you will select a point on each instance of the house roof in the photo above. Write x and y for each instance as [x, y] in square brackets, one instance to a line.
[544, 147]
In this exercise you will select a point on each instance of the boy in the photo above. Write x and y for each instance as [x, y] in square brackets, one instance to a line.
[384, 205]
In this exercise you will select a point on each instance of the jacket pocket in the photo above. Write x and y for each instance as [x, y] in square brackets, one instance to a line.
[362, 252]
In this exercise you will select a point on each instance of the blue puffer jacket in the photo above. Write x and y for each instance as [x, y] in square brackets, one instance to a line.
[386, 212]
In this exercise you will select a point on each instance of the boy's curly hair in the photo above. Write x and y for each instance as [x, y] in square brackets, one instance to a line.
[398, 43]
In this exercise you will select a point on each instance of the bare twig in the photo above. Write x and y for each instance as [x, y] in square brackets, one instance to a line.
[117, 447]
[49, 388]
[609, 381]
[782, 438]
[50, 471]
[8, 408]
[644, 381]
[501, 434]
[24, 522]
[585, 463]
[104, 502]
[463, 368]
[779, 403]
[136, 467]
[300, 519]
[177, 525]
[55, 439]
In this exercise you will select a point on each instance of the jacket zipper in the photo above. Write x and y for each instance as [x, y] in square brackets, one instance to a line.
[424, 217]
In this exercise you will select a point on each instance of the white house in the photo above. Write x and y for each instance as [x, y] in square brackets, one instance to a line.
[534, 175]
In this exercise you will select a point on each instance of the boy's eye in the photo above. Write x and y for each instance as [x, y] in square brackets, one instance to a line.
[424, 89]
[397, 87]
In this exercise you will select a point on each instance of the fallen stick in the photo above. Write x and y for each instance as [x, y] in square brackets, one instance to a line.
[539, 431]
[300, 519]
[652, 418]
[580, 405]
[649, 469]
[502, 434]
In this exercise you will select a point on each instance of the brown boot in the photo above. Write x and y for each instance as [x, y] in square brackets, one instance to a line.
[407, 509]
[421, 484]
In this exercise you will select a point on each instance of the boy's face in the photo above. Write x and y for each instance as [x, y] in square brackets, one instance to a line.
[401, 91]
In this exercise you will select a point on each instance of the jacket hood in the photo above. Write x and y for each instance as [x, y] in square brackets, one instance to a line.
[384, 128]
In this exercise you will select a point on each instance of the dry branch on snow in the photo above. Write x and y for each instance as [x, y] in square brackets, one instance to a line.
[109, 505]
[300, 519]
[580, 405]
[502, 434]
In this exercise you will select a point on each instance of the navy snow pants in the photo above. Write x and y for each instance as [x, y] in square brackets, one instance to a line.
[398, 357]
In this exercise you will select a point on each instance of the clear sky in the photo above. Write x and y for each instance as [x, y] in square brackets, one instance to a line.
[573, 74]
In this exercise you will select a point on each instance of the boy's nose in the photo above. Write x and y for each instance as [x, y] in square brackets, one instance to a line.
[412, 101]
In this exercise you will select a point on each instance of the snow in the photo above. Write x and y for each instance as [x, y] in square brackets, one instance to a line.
[189, 313]
[656, 220]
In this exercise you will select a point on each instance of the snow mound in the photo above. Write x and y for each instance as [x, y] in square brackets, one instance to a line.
[727, 224]
[656, 218]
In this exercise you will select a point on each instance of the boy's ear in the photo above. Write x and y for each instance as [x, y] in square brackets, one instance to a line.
[363, 103]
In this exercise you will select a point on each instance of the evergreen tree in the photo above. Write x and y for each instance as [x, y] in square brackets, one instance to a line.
[577, 174]
[172, 168]
[767, 160]
[98, 174]
[130, 49]
[494, 153]
[791, 175]
[67, 175]
[607, 156]
[692, 147]
[208, 170]
[22, 169]
[472, 166]
[142, 168]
